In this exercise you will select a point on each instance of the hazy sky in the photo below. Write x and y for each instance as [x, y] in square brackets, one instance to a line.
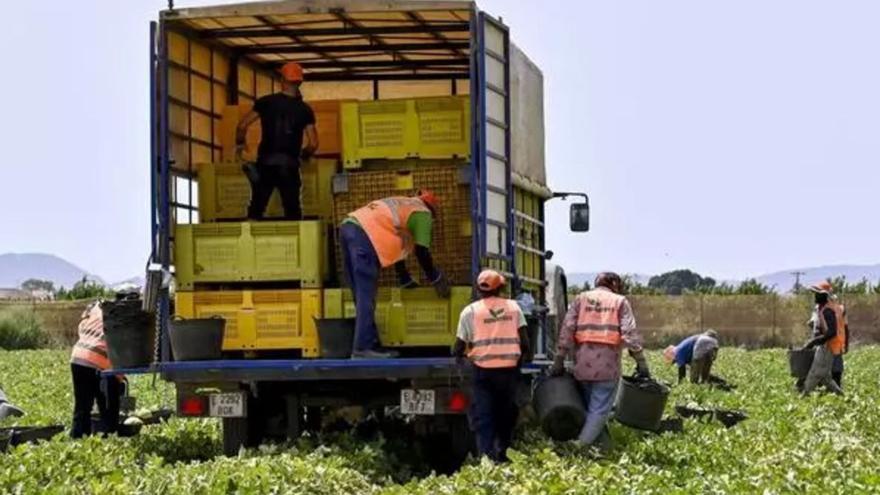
[731, 137]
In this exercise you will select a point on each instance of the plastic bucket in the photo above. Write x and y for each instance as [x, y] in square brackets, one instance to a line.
[335, 337]
[130, 333]
[800, 361]
[560, 408]
[198, 339]
[641, 403]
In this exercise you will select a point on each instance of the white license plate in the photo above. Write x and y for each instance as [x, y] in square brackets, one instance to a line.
[229, 405]
[416, 401]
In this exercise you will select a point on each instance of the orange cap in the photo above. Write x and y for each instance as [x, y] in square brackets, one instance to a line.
[490, 280]
[292, 72]
[823, 287]
[429, 198]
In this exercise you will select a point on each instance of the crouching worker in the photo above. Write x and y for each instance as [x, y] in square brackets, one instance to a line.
[697, 351]
[88, 359]
[492, 332]
[600, 323]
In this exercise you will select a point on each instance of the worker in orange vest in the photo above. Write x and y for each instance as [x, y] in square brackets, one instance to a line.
[379, 235]
[88, 359]
[830, 341]
[599, 324]
[492, 332]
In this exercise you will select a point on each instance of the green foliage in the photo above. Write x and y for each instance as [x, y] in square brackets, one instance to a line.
[679, 281]
[33, 284]
[20, 329]
[751, 287]
[84, 289]
[821, 444]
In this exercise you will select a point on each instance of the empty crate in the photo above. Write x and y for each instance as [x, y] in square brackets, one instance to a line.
[437, 127]
[259, 319]
[406, 317]
[250, 252]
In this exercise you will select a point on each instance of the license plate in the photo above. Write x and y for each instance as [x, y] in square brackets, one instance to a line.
[416, 401]
[229, 405]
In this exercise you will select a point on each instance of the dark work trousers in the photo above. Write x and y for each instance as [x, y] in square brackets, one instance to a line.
[362, 271]
[88, 387]
[494, 410]
[837, 370]
[286, 178]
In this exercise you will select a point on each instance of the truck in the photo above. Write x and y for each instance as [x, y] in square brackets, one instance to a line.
[208, 58]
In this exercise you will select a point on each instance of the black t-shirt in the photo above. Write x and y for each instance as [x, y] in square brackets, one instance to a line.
[283, 119]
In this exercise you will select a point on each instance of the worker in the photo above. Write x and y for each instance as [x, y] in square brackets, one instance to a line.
[8, 409]
[379, 235]
[88, 359]
[492, 332]
[599, 323]
[697, 351]
[285, 121]
[829, 342]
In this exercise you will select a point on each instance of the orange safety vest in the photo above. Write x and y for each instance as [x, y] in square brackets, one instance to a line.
[599, 318]
[836, 344]
[496, 333]
[384, 221]
[91, 348]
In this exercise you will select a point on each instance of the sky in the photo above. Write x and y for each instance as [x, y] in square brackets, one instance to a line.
[734, 138]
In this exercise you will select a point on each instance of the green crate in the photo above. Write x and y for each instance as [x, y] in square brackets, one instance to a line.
[407, 317]
[250, 252]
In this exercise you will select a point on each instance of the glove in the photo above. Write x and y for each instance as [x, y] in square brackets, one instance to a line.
[642, 370]
[558, 367]
[441, 286]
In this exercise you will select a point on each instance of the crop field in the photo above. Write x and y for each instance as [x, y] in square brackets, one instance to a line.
[822, 444]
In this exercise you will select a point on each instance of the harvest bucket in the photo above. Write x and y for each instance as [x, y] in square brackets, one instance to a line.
[560, 407]
[335, 337]
[130, 333]
[197, 339]
[641, 403]
[800, 361]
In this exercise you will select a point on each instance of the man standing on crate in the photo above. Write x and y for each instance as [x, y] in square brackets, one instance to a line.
[381, 234]
[830, 340]
[88, 359]
[284, 120]
[493, 333]
[599, 324]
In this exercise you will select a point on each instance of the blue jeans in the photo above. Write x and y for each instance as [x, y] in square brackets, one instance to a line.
[362, 271]
[599, 401]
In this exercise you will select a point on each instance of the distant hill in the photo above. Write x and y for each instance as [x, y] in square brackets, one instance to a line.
[15, 268]
[784, 280]
[580, 278]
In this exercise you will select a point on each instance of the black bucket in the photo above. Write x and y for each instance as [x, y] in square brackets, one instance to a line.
[560, 407]
[800, 361]
[335, 337]
[198, 339]
[641, 403]
[130, 333]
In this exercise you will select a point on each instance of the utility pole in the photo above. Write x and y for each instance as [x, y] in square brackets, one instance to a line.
[797, 280]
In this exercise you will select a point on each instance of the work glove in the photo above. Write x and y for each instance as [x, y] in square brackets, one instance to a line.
[558, 367]
[642, 369]
[441, 286]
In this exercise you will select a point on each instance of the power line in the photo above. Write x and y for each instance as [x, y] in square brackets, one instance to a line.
[797, 280]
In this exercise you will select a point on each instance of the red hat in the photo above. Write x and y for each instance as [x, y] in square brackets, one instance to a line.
[429, 198]
[823, 287]
[292, 72]
[490, 280]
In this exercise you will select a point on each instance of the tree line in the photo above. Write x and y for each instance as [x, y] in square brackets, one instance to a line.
[82, 289]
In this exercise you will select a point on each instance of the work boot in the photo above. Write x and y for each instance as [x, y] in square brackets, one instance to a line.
[373, 354]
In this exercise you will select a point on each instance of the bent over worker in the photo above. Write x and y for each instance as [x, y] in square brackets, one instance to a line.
[492, 331]
[285, 120]
[88, 359]
[697, 351]
[379, 235]
[600, 324]
[829, 342]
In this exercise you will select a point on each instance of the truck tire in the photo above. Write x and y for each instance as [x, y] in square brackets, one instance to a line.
[235, 435]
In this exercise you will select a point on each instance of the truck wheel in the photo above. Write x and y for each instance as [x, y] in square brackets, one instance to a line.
[235, 435]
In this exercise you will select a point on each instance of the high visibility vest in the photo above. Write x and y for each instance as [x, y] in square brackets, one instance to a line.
[384, 221]
[91, 348]
[599, 318]
[836, 344]
[496, 333]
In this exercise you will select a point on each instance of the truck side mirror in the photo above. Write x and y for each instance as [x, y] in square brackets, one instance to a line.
[580, 217]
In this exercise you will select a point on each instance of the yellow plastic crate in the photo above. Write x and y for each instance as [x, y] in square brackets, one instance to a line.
[259, 319]
[225, 193]
[250, 252]
[407, 317]
[436, 127]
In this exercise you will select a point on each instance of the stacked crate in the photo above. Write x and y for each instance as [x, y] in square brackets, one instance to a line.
[266, 278]
[394, 148]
